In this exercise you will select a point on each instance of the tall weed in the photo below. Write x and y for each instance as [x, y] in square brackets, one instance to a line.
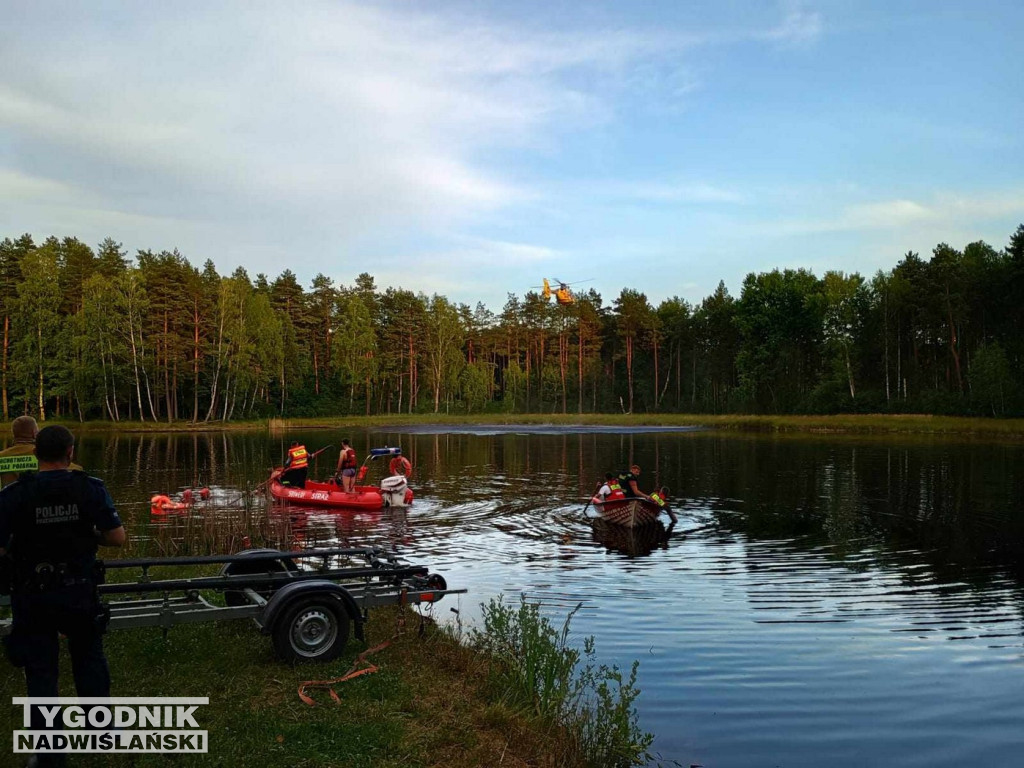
[538, 670]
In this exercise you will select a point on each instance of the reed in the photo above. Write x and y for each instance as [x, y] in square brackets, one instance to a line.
[882, 424]
[540, 672]
[218, 528]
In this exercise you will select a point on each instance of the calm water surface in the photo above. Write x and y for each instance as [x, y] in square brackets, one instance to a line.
[822, 602]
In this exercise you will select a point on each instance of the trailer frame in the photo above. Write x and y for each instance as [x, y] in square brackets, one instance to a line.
[307, 612]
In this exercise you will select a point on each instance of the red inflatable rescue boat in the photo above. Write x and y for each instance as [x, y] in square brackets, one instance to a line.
[394, 492]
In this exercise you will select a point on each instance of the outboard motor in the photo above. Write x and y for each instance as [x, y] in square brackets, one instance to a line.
[392, 490]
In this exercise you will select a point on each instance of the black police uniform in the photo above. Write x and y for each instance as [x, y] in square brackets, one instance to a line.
[47, 524]
[624, 481]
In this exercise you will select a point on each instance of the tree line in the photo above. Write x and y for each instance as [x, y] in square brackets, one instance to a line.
[92, 334]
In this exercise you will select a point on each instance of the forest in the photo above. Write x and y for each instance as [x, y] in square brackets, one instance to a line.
[94, 334]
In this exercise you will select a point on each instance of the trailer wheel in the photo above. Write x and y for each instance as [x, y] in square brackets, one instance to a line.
[313, 629]
[234, 597]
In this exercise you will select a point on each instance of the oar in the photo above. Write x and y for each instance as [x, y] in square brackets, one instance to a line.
[262, 485]
[596, 488]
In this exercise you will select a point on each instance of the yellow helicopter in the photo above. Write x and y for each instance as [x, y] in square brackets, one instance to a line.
[562, 293]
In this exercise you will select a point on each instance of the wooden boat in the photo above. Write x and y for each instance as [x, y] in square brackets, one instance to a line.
[334, 496]
[630, 512]
[631, 542]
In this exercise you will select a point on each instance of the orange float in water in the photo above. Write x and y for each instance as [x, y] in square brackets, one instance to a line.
[161, 503]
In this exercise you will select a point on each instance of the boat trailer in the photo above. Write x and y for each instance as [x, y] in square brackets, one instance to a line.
[307, 610]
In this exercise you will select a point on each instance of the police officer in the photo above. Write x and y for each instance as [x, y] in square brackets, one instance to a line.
[51, 523]
[628, 482]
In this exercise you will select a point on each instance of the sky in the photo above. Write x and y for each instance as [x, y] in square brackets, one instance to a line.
[473, 148]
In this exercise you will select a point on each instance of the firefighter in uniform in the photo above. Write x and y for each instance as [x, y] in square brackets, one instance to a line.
[296, 466]
[51, 523]
[660, 497]
[21, 456]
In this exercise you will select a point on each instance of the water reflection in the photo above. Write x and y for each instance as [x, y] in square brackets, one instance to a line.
[631, 542]
[821, 601]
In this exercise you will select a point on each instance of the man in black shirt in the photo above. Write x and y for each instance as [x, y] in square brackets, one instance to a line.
[628, 481]
[51, 523]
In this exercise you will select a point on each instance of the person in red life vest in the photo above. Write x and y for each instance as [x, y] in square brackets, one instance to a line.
[347, 464]
[400, 466]
[614, 487]
[609, 490]
[296, 466]
[660, 497]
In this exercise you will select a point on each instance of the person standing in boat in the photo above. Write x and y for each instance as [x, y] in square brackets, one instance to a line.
[628, 483]
[347, 464]
[296, 466]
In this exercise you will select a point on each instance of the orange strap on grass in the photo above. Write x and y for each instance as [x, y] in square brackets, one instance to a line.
[353, 672]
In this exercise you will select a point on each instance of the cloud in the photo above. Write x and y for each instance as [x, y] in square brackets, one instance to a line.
[260, 133]
[17, 186]
[666, 192]
[485, 269]
[254, 113]
[798, 27]
[943, 208]
[888, 213]
[989, 206]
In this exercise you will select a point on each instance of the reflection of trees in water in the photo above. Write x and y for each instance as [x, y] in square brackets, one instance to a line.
[310, 528]
[954, 505]
[961, 502]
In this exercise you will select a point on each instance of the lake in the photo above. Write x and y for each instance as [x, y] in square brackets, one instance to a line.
[823, 601]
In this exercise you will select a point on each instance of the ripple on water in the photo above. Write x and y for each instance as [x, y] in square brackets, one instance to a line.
[818, 603]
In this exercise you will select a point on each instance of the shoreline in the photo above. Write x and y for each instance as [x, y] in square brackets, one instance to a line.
[437, 698]
[856, 424]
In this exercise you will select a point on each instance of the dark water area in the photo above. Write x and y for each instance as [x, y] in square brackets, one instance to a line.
[822, 601]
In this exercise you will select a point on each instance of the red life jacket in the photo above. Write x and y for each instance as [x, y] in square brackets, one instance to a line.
[400, 466]
[348, 458]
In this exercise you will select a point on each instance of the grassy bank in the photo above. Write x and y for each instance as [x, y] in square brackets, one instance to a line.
[434, 702]
[840, 423]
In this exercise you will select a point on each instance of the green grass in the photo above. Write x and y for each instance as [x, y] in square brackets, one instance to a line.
[536, 670]
[839, 423]
[431, 704]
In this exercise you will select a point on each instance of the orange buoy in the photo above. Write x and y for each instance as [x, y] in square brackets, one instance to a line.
[400, 466]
